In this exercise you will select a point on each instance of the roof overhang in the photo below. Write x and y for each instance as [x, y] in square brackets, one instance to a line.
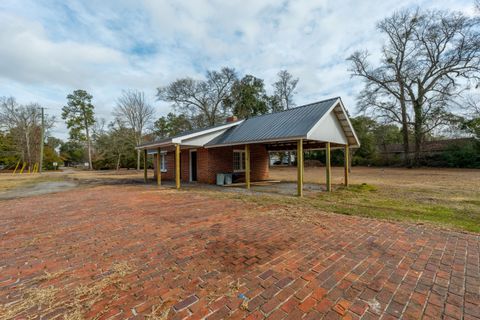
[181, 139]
[152, 145]
[255, 141]
[333, 126]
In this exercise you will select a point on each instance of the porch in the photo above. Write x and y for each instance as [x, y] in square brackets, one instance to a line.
[244, 145]
[191, 168]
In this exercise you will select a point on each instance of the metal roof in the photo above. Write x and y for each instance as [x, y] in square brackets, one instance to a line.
[292, 123]
[183, 134]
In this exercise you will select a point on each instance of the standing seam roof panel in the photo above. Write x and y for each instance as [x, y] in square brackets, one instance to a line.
[291, 123]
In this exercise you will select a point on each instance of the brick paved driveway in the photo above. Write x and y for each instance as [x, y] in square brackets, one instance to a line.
[130, 251]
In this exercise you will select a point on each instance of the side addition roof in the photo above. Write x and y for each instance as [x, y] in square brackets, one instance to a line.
[188, 136]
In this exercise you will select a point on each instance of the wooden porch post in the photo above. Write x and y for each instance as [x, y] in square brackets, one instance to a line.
[247, 166]
[346, 164]
[145, 165]
[300, 168]
[328, 168]
[159, 169]
[177, 166]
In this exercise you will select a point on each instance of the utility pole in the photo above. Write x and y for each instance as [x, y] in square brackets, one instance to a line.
[42, 134]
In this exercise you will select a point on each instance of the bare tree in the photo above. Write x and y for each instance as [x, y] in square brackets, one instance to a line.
[469, 119]
[135, 113]
[285, 89]
[426, 56]
[384, 91]
[448, 46]
[24, 122]
[201, 100]
[472, 105]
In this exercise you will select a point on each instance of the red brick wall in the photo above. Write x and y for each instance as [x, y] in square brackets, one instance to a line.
[203, 156]
[215, 160]
[184, 165]
[259, 163]
[219, 160]
[155, 165]
[170, 174]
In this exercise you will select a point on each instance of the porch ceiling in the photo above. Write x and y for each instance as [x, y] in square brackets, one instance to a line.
[271, 146]
[307, 145]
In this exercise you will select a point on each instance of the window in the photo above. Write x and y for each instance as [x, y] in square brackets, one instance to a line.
[163, 162]
[238, 160]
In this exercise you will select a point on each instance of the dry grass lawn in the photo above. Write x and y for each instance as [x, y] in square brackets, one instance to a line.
[10, 182]
[447, 197]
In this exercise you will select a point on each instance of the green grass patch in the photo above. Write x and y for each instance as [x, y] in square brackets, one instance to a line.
[364, 187]
[399, 204]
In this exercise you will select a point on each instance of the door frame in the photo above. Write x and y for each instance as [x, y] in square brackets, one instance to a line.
[190, 164]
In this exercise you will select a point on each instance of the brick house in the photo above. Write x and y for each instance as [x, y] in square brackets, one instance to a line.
[241, 147]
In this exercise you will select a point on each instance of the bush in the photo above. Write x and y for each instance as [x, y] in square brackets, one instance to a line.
[465, 155]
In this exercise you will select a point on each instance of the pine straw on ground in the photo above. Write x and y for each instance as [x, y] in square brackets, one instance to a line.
[160, 312]
[83, 297]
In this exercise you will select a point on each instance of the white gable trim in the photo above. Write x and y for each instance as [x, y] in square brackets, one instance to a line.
[316, 125]
[189, 139]
[180, 139]
[349, 123]
[155, 145]
[329, 129]
[314, 131]
[201, 140]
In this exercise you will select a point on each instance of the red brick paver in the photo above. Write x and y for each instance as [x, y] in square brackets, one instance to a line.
[125, 252]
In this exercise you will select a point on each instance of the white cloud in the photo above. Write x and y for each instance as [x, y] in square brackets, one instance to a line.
[49, 49]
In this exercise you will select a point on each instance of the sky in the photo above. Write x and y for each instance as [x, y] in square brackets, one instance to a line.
[50, 48]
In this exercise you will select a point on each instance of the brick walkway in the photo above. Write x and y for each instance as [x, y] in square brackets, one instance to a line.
[125, 252]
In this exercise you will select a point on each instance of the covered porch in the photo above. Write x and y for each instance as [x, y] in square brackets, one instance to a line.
[299, 146]
[244, 146]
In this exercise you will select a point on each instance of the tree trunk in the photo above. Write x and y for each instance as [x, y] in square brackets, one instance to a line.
[138, 160]
[418, 127]
[406, 144]
[138, 141]
[27, 142]
[89, 147]
[118, 161]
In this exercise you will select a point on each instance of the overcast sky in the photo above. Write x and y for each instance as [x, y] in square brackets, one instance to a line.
[50, 48]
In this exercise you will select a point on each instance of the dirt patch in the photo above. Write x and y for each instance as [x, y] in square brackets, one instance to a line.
[38, 189]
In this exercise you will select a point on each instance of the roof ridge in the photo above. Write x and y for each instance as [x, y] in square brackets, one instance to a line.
[299, 107]
[232, 126]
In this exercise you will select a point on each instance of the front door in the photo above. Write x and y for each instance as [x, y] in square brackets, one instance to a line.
[193, 166]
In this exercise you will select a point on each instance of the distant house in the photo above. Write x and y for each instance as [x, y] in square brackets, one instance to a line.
[241, 147]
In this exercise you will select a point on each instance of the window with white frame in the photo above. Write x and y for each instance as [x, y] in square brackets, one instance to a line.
[238, 160]
[163, 162]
